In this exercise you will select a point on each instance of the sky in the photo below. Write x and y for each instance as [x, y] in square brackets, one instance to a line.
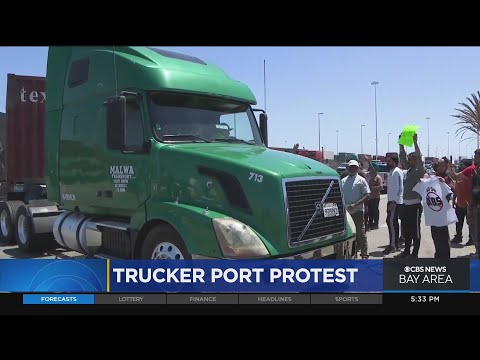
[414, 83]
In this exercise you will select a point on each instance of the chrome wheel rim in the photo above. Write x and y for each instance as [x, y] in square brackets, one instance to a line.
[167, 251]
[3, 222]
[22, 232]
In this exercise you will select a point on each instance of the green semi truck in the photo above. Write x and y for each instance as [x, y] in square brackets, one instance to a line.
[152, 154]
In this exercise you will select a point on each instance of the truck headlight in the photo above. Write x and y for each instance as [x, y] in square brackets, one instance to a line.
[351, 223]
[237, 240]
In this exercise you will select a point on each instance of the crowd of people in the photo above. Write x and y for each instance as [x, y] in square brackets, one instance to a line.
[445, 198]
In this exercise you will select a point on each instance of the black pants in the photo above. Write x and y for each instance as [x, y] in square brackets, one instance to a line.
[365, 216]
[461, 214]
[392, 223]
[410, 217]
[441, 240]
[373, 213]
[475, 226]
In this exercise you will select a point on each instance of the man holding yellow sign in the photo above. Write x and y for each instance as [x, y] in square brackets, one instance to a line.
[411, 212]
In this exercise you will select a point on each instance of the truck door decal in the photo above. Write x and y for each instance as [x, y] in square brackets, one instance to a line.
[121, 175]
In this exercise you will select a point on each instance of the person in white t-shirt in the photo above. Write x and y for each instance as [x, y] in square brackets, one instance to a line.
[439, 213]
[394, 202]
[355, 193]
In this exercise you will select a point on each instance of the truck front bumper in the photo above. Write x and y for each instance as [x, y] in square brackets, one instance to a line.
[343, 250]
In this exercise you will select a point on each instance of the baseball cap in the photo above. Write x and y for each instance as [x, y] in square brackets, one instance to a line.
[353, 163]
[375, 166]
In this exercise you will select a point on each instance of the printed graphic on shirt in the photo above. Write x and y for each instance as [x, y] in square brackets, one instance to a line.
[437, 209]
[433, 200]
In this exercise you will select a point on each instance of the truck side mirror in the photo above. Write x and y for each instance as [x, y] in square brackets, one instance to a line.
[263, 128]
[147, 145]
[116, 122]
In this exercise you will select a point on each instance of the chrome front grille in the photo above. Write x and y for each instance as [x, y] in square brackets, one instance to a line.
[302, 198]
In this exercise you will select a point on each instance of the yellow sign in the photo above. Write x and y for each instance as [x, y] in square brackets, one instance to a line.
[406, 137]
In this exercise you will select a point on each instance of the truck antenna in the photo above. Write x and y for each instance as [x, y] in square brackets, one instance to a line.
[115, 71]
[264, 85]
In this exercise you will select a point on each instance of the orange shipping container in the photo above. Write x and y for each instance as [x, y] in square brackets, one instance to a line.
[25, 130]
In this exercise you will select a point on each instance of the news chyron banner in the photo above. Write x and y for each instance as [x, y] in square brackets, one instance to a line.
[238, 276]
[170, 276]
[62, 275]
[475, 275]
[247, 276]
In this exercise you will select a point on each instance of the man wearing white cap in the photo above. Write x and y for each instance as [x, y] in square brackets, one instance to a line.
[355, 193]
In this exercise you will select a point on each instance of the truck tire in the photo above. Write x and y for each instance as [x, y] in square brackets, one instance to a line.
[26, 238]
[164, 243]
[24, 230]
[8, 214]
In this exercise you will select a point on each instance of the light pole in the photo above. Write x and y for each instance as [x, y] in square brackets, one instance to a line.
[478, 136]
[375, 83]
[285, 144]
[428, 136]
[337, 143]
[265, 84]
[361, 138]
[319, 141]
[388, 144]
[467, 155]
[448, 144]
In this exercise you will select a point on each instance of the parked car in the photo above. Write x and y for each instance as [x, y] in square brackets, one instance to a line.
[384, 172]
[429, 169]
[342, 168]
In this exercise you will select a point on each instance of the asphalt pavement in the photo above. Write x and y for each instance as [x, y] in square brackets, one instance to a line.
[379, 239]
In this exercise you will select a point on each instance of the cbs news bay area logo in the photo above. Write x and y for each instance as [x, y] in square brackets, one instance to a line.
[425, 274]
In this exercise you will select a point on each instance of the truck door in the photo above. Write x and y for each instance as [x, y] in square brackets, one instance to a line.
[129, 170]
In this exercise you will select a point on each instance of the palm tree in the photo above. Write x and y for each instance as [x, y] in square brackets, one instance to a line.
[469, 118]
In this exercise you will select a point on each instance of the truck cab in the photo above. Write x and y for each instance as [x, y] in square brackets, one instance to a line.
[152, 154]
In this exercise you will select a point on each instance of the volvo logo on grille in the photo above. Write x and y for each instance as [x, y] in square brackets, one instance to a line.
[318, 210]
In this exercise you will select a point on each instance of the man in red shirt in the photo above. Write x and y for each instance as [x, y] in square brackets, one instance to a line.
[472, 176]
[463, 196]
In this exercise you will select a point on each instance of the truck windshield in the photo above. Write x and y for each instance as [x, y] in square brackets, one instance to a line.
[194, 118]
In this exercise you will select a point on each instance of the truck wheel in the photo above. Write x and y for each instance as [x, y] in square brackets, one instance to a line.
[164, 243]
[8, 214]
[24, 230]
